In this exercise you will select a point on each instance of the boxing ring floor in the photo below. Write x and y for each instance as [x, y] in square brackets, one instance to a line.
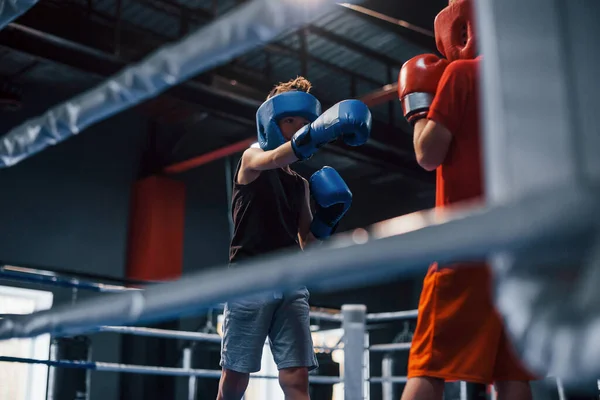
[541, 172]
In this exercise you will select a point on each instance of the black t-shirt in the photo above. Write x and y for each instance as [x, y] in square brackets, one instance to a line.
[265, 213]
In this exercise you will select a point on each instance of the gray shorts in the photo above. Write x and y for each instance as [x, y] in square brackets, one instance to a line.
[284, 319]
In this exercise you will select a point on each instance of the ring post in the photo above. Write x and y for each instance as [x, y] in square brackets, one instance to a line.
[187, 364]
[387, 371]
[69, 383]
[354, 317]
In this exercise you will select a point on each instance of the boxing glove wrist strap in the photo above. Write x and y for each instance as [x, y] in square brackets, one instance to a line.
[302, 144]
[415, 106]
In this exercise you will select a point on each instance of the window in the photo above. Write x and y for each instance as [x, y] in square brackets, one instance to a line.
[28, 380]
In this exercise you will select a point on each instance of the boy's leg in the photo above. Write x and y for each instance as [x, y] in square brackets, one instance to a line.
[510, 376]
[292, 345]
[232, 385]
[423, 388]
[246, 324]
[294, 383]
[513, 390]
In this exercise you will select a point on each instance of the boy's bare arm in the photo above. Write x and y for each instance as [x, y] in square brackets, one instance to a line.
[255, 160]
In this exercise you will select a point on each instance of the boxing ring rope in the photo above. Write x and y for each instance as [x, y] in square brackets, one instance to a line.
[24, 274]
[245, 27]
[171, 334]
[46, 277]
[392, 316]
[162, 333]
[389, 347]
[535, 220]
[391, 379]
[169, 371]
[50, 278]
[192, 374]
[455, 235]
[151, 370]
[323, 316]
[14, 273]
[12, 9]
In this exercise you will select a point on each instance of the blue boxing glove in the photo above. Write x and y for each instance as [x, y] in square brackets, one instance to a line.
[332, 200]
[350, 119]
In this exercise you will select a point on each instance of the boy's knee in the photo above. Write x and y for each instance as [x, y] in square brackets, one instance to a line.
[233, 385]
[294, 379]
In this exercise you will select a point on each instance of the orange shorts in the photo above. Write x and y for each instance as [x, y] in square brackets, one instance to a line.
[459, 335]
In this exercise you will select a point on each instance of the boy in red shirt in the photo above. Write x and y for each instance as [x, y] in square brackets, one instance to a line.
[459, 334]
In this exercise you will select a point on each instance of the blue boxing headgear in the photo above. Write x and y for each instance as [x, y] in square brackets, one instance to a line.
[288, 104]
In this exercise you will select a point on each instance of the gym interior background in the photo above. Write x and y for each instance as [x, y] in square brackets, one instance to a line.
[70, 206]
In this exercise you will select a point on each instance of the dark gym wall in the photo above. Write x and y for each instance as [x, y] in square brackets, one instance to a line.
[68, 206]
[206, 240]
[206, 244]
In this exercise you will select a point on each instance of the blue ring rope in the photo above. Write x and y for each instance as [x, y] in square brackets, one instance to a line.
[52, 363]
[44, 277]
[150, 370]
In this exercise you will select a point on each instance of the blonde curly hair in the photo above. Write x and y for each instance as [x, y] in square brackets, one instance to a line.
[299, 83]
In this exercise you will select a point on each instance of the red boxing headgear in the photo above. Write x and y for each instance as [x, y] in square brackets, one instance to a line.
[455, 31]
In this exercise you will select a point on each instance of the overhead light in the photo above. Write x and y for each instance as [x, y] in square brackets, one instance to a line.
[387, 18]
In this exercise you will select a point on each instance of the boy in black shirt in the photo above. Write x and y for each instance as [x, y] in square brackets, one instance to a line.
[271, 211]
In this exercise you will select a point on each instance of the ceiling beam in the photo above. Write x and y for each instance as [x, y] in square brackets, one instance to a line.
[425, 41]
[278, 49]
[351, 45]
[168, 6]
[381, 16]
